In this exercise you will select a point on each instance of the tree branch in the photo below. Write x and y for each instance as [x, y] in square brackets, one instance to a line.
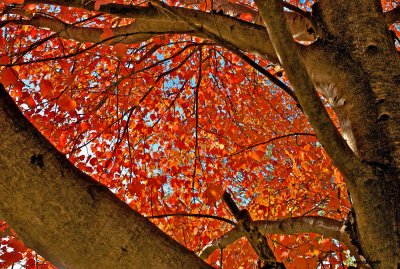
[229, 28]
[321, 61]
[221, 242]
[257, 240]
[272, 14]
[307, 224]
[136, 32]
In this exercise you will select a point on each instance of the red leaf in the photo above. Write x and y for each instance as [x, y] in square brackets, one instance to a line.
[135, 188]
[8, 76]
[30, 102]
[17, 245]
[46, 87]
[99, 3]
[120, 50]
[4, 59]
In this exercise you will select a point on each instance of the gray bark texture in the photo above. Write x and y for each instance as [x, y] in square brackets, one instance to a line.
[76, 223]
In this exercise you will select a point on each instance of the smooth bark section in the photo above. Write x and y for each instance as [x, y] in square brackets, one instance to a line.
[69, 218]
[308, 224]
[136, 32]
[221, 242]
[271, 12]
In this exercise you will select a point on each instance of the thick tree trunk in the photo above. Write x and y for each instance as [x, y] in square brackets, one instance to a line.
[65, 215]
[368, 108]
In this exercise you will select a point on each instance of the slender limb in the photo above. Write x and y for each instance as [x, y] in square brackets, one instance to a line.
[272, 14]
[307, 224]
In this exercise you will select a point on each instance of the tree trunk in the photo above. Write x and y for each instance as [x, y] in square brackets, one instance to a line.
[65, 215]
[368, 108]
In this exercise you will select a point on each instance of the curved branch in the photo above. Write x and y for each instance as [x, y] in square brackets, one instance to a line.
[246, 37]
[136, 32]
[266, 142]
[193, 215]
[220, 242]
[228, 28]
[308, 224]
[142, 30]
[298, 10]
[228, 45]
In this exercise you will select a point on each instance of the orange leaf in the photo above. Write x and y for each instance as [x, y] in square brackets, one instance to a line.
[8, 2]
[296, 170]
[17, 89]
[246, 16]
[175, 128]
[256, 155]
[136, 101]
[334, 203]
[84, 126]
[62, 141]
[300, 262]
[67, 104]
[30, 7]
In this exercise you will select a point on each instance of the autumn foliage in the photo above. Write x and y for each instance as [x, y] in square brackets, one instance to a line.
[169, 124]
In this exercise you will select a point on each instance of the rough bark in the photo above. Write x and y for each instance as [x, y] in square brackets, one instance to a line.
[67, 216]
[360, 31]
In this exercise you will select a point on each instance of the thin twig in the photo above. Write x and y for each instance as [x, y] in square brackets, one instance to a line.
[193, 215]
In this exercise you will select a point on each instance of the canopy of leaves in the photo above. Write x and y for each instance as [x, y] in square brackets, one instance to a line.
[168, 124]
